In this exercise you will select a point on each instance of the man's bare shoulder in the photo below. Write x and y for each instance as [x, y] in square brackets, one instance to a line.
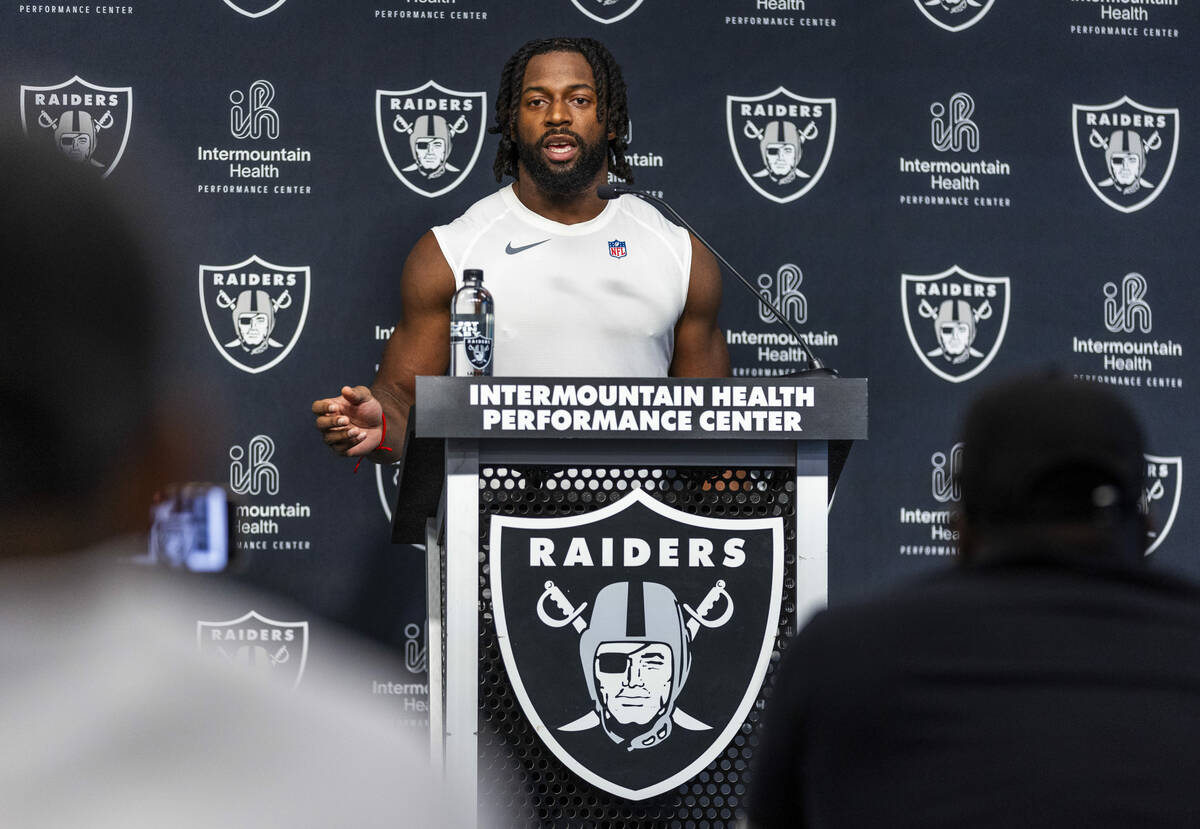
[427, 275]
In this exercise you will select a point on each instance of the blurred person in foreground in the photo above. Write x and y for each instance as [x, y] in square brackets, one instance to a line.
[111, 717]
[1049, 679]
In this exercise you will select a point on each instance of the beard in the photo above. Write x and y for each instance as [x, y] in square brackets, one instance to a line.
[570, 179]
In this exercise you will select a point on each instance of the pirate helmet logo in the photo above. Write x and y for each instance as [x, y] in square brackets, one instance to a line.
[254, 8]
[88, 123]
[607, 11]
[1125, 150]
[954, 15]
[1160, 497]
[781, 142]
[278, 649]
[955, 320]
[427, 132]
[252, 304]
[654, 607]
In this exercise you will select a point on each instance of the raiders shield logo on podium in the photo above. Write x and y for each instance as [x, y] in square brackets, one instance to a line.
[636, 637]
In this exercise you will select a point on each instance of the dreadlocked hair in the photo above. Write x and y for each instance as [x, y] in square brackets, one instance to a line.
[611, 105]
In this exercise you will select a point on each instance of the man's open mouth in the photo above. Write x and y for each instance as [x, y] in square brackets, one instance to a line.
[560, 147]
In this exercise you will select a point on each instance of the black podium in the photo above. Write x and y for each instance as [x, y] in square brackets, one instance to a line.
[613, 568]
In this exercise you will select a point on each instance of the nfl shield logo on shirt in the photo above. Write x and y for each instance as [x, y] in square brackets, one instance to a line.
[616, 249]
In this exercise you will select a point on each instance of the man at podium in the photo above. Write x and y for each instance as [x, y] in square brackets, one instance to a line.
[583, 286]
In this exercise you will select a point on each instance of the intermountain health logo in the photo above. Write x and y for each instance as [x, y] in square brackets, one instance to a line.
[607, 11]
[956, 176]
[1126, 150]
[775, 350]
[430, 135]
[257, 161]
[88, 123]
[781, 141]
[642, 161]
[936, 537]
[955, 320]
[253, 472]
[1127, 355]
[1160, 497]
[416, 652]
[954, 15]
[279, 649]
[254, 311]
[636, 637]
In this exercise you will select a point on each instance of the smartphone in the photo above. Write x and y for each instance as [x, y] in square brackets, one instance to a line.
[191, 528]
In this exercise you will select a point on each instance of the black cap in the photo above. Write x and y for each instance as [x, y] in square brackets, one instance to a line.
[1049, 448]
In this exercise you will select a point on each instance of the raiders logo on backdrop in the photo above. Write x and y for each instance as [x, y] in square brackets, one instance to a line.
[276, 648]
[1125, 150]
[254, 311]
[430, 135]
[637, 636]
[88, 123]
[254, 8]
[781, 141]
[607, 11]
[955, 320]
[1160, 497]
[954, 15]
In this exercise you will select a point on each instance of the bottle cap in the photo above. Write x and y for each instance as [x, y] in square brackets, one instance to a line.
[472, 275]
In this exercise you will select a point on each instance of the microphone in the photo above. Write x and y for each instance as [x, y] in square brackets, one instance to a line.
[815, 366]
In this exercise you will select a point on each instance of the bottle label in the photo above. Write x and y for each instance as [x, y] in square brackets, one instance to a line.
[470, 330]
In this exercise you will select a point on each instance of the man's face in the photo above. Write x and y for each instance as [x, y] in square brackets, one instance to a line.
[634, 680]
[77, 146]
[253, 327]
[781, 157]
[955, 336]
[430, 153]
[560, 142]
[1126, 168]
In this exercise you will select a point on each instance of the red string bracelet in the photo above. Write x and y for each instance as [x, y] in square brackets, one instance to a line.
[380, 447]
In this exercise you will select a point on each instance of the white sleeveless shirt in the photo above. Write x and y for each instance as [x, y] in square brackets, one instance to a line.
[595, 299]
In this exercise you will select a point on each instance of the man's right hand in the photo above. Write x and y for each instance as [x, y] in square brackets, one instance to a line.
[351, 424]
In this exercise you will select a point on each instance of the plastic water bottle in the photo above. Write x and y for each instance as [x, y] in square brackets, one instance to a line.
[472, 328]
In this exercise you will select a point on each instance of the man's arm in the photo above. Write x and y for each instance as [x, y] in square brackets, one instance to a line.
[700, 349]
[352, 423]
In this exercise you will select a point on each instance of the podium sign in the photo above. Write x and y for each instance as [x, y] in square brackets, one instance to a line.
[819, 408]
[620, 562]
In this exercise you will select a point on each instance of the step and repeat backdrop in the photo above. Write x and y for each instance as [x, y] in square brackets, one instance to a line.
[938, 193]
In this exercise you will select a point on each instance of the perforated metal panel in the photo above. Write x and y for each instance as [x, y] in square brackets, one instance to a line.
[518, 775]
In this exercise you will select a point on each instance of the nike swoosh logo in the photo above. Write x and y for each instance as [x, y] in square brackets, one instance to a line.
[510, 250]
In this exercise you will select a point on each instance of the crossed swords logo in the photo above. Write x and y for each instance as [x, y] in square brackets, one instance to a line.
[573, 616]
[225, 302]
[750, 130]
[404, 128]
[1151, 144]
[102, 123]
[1154, 493]
[927, 311]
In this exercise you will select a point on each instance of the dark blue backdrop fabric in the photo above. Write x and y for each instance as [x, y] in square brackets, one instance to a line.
[1016, 171]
